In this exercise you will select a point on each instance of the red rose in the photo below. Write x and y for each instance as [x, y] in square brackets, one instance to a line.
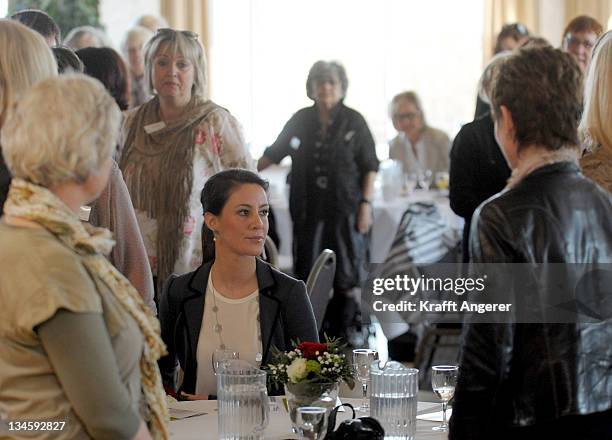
[310, 350]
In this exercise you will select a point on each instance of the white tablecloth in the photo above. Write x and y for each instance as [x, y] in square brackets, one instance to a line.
[205, 427]
[387, 215]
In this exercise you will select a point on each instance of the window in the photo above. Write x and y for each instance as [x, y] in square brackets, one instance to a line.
[261, 51]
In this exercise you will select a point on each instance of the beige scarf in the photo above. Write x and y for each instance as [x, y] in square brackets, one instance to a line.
[158, 171]
[39, 205]
[534, 162]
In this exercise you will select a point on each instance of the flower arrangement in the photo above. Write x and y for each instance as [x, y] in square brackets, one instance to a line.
[311, 362]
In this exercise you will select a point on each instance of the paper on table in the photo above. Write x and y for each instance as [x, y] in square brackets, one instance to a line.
[435, 416]
[179, 414]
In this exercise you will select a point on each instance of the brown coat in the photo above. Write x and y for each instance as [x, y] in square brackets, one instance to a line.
[114, 211]
[597, 166]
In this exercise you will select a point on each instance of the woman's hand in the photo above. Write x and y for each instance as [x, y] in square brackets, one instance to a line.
[187, 396]
[364, 217]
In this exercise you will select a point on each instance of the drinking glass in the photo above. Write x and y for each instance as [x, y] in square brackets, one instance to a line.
[311, 422]
[443, 381]
[425, 179]
[441, 180]
[221, 355]
[410, 182]
[362, 359]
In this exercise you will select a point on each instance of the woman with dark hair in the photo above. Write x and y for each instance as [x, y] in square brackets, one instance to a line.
[332, 186]
[234, 300]
[547, 377]
[107, 66]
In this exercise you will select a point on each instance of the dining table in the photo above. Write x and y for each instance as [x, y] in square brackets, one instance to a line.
[387, 214]
[205, 426]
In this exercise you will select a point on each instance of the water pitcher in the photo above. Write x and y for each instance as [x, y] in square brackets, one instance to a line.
[393, 398]
[243, 401]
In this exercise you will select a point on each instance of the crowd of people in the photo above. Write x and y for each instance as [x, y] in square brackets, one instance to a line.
[133, 218]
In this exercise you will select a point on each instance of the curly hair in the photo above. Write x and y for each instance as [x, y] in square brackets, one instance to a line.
[542, 89]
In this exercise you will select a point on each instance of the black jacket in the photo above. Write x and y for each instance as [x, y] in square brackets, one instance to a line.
[285, 316]
[5, 182]
[478, 170]
[518, 378]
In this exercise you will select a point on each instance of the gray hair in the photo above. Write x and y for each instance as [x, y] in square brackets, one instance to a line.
[486, 79]
[74, 36]
[140, 34]
[187, 45]
[322, 70]
[52, 144]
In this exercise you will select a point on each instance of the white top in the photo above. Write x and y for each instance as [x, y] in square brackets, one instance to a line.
[239, 331]
[432, 151]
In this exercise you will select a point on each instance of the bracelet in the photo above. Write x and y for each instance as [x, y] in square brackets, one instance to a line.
[364, 200]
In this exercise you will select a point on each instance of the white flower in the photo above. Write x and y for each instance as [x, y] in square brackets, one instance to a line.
[297, 370]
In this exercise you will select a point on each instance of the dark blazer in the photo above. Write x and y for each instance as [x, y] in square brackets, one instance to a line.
[284, 309]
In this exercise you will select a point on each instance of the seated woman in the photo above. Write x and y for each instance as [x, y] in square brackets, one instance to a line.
[550, 378]
[417, 146]
[234, 300]
[77, 343]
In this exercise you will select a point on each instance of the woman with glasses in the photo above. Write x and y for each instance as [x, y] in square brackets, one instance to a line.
[595, 126]
[417, 146]
[579, 38]
[172, 145]
[332, 184]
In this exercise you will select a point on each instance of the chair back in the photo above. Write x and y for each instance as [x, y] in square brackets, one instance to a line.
[270, 254]
[320, 284]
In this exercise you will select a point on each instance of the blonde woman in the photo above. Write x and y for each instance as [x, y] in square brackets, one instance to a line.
[173, 144]
[21, 65]
[77, 344]
[595, 124]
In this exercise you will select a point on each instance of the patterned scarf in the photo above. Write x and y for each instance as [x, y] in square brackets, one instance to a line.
[158, 171]
[41, 206]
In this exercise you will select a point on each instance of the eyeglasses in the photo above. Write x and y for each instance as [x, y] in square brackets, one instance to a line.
[171, 32]
[575, 42]
[411, 116]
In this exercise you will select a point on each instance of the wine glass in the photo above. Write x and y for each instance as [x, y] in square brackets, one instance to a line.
[362, 359]
[425, 178]
[441, 180]
[220, 355]
[311, 422]
[410, 182]
[443, 381]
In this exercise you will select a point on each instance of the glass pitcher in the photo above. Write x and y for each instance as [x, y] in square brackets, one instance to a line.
[242, 400]
[393, 398]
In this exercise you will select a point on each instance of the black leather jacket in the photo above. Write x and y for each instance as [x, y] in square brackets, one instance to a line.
[518, 376]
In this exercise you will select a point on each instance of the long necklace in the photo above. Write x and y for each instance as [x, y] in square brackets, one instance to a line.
[218, 327]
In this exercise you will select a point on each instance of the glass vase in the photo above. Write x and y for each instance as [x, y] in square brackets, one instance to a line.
[310, 394]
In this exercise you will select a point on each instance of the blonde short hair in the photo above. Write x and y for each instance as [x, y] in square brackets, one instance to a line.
[595, 128]
[47, 142]
[409, 96]
[187, 45]
[25, 58]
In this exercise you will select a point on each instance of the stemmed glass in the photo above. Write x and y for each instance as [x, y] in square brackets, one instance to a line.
[311, 422]
[443, 381]
[221, 355]
[362, 359]
[425, 179]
